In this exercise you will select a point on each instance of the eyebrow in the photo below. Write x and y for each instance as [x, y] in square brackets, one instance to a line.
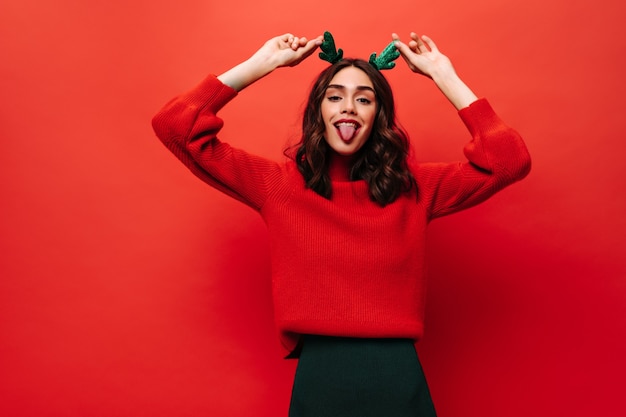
[359, 88]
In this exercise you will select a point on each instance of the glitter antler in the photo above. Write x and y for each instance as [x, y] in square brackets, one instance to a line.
[385, 59]
[329, 51]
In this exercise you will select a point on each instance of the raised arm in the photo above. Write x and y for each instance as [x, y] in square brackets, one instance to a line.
[423, 57]
[281, 51]
[188, 124]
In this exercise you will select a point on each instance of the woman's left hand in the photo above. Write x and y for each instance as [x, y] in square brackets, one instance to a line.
[422, 56]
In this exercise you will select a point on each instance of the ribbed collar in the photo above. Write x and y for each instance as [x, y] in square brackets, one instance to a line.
[339, 169]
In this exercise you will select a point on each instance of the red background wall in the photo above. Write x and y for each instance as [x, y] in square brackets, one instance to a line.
[129, 288]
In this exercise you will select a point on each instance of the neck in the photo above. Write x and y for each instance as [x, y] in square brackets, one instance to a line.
[339, 168]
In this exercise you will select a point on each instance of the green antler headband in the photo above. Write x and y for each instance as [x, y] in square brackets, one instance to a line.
[382, 62]
[385, 59]
[329, 50]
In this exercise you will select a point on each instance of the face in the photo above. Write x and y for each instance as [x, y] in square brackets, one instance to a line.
[348, 110]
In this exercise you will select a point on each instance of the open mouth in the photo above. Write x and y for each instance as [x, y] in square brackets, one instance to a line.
[347, 129]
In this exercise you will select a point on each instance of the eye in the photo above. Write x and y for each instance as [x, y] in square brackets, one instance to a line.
[333, 98]
[364, 100]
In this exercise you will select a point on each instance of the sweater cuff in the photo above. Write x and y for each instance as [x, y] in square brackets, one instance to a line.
[211, 93]
[480, 117]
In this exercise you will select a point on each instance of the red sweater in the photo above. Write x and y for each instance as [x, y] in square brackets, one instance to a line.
[344, 266]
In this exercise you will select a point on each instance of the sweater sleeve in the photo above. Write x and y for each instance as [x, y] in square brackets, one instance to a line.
[496, 157]
[188, 126]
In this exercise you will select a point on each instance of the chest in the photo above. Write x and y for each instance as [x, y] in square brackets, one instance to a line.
[348, 228]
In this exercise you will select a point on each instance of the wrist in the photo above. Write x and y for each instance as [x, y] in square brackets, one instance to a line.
[455, 90]
[246, 73]
[261, 63]
[445, 76]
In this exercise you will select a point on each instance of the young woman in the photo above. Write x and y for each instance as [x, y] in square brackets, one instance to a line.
[347, 215]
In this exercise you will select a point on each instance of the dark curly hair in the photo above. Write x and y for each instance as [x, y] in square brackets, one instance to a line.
[381, 162]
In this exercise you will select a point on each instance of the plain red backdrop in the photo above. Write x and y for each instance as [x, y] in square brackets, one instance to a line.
[129, 288]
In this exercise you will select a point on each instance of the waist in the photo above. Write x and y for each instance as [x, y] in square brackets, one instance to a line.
[363, 348]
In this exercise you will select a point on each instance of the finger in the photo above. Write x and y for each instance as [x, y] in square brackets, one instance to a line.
[405, 51]
[309, 47]
[300, 41]
[397, 41]
[401, 46]
[430, 43]
[413, 43]
[421, 45]
[295, 43]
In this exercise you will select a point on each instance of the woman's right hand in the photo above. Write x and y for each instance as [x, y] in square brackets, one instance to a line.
[288, 50]
[281, 51]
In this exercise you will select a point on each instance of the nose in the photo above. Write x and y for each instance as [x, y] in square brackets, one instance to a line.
[348, 107]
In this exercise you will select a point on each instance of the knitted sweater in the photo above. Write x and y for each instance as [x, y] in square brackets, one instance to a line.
[343, 266]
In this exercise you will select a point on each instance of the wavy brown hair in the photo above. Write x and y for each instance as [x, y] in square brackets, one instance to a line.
[381, 162]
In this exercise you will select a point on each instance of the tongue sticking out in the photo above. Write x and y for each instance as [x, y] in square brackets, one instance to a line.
[346, 131]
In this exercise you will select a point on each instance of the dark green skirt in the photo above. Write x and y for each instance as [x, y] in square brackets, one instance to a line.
[352, 377]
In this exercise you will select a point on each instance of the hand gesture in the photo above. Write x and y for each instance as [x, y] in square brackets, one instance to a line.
[288, 50]
[422, 56]
[281, 51]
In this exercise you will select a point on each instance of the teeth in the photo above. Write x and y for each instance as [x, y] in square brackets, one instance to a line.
[347, 124]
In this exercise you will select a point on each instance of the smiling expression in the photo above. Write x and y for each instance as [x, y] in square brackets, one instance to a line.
[348, 110]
